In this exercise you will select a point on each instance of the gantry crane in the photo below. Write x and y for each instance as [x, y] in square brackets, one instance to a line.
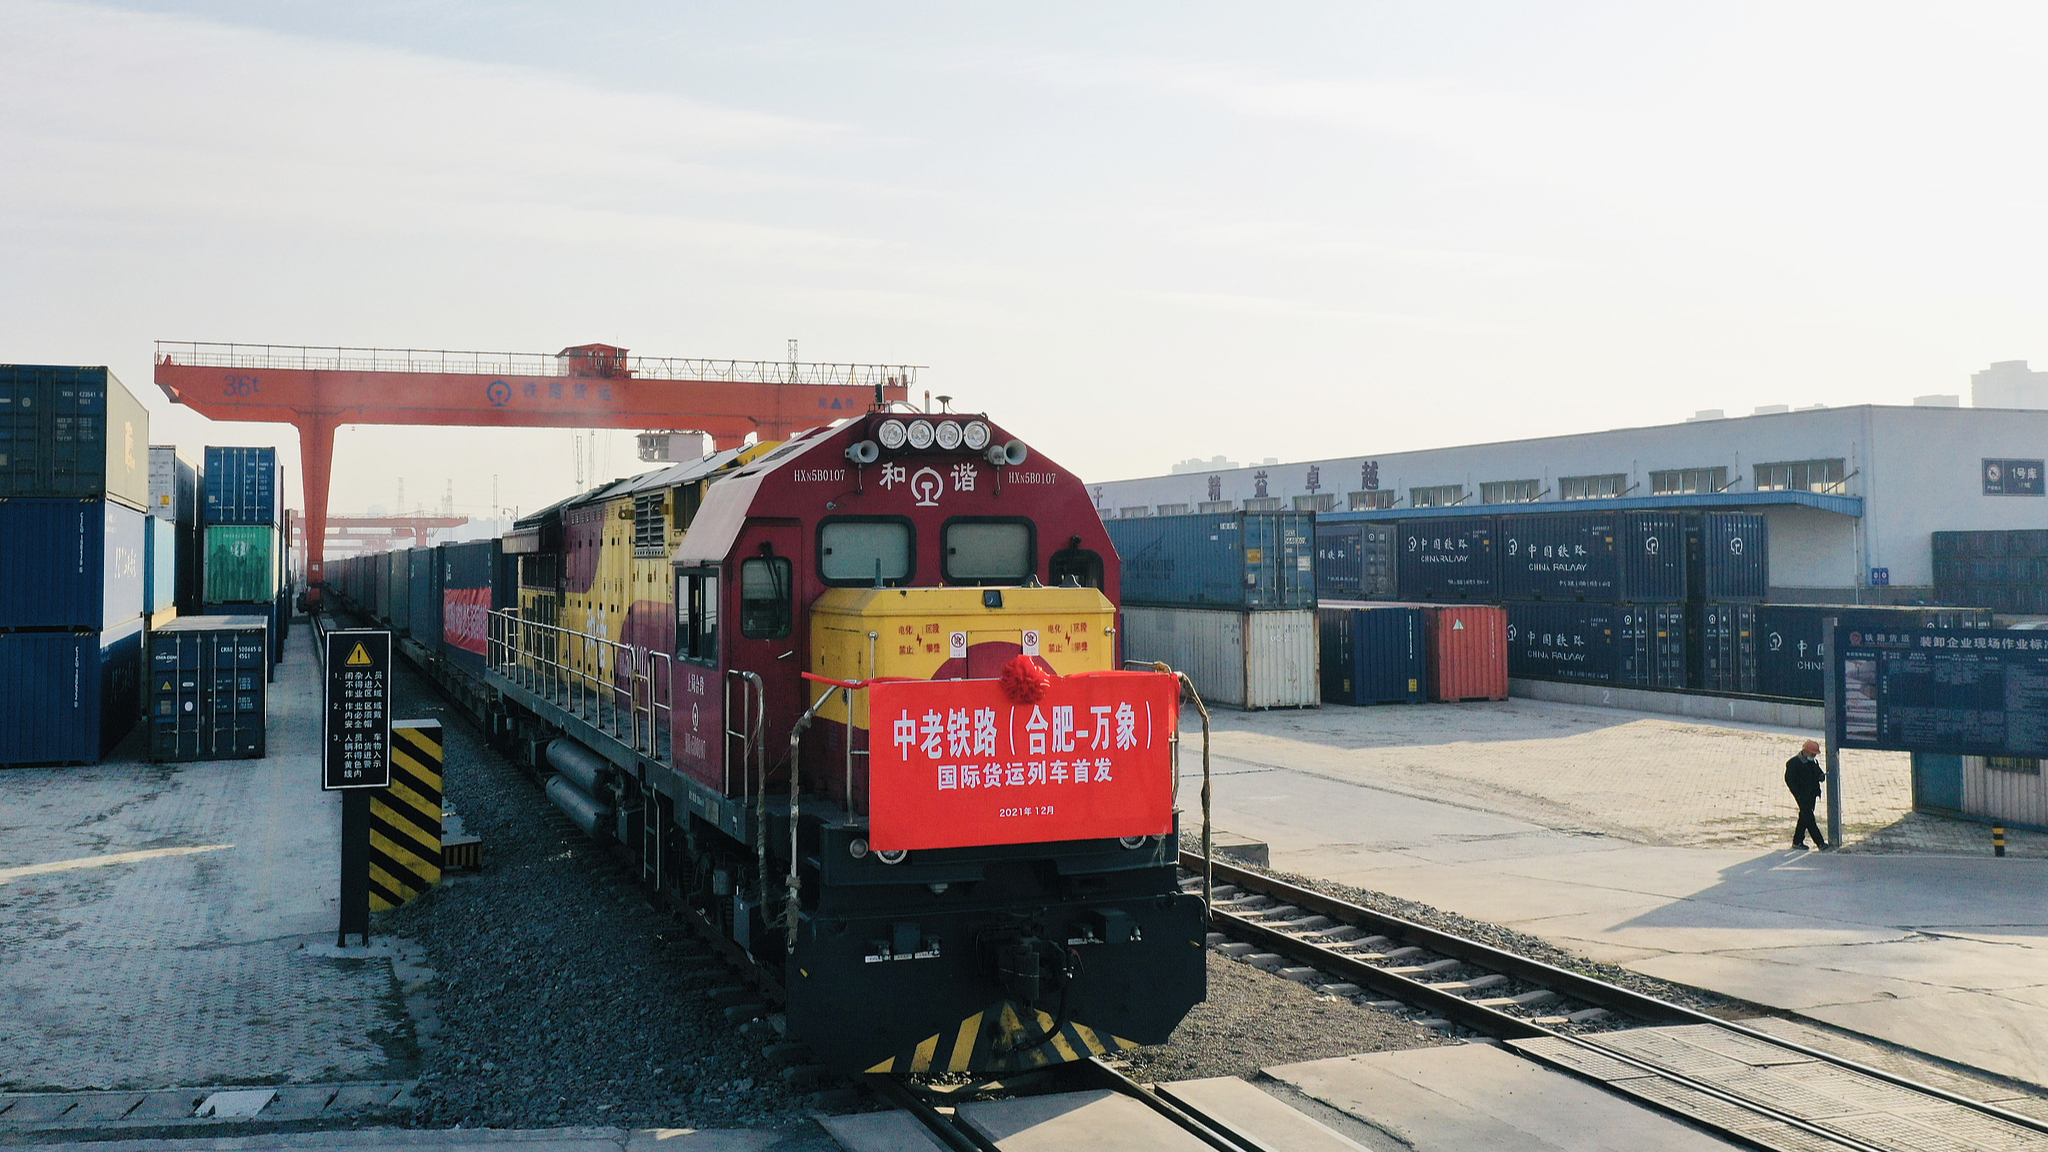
[585, 386]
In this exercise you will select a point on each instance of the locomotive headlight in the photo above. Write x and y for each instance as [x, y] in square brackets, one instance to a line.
[857, 848]
[921, 434]
[896, 857]
[892, 434]
[974, 435]
[948, 434]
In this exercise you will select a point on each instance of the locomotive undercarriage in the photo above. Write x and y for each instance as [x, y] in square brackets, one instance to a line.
[983, 959]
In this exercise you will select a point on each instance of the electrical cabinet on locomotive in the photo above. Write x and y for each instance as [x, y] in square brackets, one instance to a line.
[870, 725]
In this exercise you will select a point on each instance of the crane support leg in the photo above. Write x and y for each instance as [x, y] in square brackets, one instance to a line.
[316, 456]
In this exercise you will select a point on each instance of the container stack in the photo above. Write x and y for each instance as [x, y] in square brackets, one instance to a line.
[1595, 597]
[1728, 565]
[172, 560]
[1228, 598]
[1789, 636]
[74, 479]
[243, 548]
[206, 688]
[2003, 571]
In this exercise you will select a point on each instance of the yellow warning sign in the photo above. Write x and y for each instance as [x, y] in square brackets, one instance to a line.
[360, 656]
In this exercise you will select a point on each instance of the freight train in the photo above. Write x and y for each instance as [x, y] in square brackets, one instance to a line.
[854, 699]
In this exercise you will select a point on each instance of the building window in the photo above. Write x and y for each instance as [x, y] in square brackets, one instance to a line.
[1141, 510]
[1219, 506]
[1372, 501]
[2021, 764]
[1802, 476]
[1439, 496]
[1508, 492]
[1319, 502]
[1263, 504]
[650, 525]
[1173, 509]
[1592, 487]
[1688, 481]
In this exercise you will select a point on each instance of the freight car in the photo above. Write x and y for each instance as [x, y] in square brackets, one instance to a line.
[987, 882]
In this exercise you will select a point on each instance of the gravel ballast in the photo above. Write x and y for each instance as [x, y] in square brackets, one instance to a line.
[556, 1003]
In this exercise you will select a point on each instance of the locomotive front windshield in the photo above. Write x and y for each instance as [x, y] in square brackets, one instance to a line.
[989, 552]
[858, 552]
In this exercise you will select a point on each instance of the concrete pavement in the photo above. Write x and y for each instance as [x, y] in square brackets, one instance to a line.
[1610, 834]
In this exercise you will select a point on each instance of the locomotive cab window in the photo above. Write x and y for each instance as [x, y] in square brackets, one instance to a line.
[765, 598]
[989, 551]
[859, 553]
[1083, 564]
[697, 615]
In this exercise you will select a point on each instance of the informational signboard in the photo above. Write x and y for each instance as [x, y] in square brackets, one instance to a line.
[1962, 692]
[954, 763]
[357, 748]
[2014, 478]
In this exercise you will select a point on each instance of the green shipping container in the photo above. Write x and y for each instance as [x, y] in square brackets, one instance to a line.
[241, 564]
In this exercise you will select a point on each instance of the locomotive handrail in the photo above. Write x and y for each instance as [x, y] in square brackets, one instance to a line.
[751, 687]
[1208, 873]
[586, 676]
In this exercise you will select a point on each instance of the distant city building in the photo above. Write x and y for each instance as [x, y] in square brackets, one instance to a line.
[1197, 464]
[2008, 384]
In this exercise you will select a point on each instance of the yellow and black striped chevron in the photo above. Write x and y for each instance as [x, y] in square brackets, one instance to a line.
[1007, 1037]
[405, 819]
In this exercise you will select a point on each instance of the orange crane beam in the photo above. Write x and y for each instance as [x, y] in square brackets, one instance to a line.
[585, 386]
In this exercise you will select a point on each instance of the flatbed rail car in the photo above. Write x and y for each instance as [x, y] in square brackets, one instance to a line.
[988, 886]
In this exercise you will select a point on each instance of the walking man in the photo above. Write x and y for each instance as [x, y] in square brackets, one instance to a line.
[1804, 776]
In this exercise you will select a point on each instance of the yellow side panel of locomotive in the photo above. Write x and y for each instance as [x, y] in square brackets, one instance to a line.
[916, 633]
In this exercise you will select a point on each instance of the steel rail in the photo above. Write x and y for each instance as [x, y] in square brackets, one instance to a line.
[1563, 981]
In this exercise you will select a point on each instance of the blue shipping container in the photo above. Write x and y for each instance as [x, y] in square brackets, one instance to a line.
[206, 688]
[1788, 638]
[72, 433]
[1448, 558]
[1640, 645]
[1373, 654]
[398, 602]
[470, 577]
[241, 485]
[1615, 558]
[423, 619]
[1259, 560]
[273, 622]
[68, 697]
[173, 485]
[1728, 555]
[160, 565]
[70, 563]
[1354, 560]
[1721, 647]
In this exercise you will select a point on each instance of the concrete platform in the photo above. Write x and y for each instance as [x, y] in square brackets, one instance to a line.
[1477, 1096]
[1607, 833]
[172, 926]
[522, 1140]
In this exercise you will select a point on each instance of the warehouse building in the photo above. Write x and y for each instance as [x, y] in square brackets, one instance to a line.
[1853, 495]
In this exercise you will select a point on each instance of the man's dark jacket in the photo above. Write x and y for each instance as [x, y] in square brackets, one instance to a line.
[1804, 776]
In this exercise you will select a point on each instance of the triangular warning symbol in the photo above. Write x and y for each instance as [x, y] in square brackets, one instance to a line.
[1456, 626]
[360, 656]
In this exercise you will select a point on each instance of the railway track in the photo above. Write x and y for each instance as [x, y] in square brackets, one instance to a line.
[1744, 1083]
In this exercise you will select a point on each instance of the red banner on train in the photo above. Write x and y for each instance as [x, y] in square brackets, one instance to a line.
[465, 615]
[954, 763]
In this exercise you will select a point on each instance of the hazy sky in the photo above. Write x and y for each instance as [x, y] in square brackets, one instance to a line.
[1134, 233]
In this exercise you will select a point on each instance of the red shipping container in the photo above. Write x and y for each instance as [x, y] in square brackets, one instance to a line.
[1468, 652]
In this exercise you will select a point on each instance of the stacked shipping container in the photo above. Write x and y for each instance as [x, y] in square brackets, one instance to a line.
[243, 545]
[206, 688]
[2002, 571]
[74, 539]
[1228, 598]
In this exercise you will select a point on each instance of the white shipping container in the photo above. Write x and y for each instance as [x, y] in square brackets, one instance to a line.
[1242, 659]
[2019, 797]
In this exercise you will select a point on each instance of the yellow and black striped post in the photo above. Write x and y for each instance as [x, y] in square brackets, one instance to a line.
[1998, 839]
[405, 819]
